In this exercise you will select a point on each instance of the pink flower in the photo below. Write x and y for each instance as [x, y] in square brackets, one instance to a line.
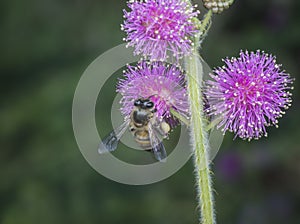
[249, 93]
[163, 84]
[156, 27]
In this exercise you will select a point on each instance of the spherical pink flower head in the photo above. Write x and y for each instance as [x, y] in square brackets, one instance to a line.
[163, 84]
[249, 93]
[155, 27]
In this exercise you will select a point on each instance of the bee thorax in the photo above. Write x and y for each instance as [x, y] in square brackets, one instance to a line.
[141, 117]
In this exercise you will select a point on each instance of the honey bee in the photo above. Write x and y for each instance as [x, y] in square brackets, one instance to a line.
[147, 130]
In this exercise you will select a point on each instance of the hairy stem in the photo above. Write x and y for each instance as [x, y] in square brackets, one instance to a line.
[199, 142]
[199, 136]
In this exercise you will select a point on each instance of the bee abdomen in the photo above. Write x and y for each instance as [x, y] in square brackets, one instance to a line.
[142, 138]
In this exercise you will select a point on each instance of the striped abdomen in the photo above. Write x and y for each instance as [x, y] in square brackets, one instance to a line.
[141, 135]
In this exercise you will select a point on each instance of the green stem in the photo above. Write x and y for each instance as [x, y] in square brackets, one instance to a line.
[206, 22]
[210, 125]
[199, 137]
[180, 117]
[213, 123]
[186, 121]
[205, 26]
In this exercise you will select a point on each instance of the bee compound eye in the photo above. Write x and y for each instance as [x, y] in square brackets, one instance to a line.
[138, 102]
[149, 104]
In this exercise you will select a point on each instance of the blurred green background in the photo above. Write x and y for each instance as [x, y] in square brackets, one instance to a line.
[45, 47]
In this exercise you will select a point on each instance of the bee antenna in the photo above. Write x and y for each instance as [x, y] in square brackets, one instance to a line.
[152, 96]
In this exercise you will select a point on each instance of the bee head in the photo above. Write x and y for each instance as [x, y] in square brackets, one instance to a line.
[144, 103]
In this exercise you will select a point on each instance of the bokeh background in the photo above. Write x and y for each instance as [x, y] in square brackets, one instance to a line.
[45, 47]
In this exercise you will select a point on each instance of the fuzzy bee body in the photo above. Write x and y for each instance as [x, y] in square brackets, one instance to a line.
[140, 130]
[147, 130]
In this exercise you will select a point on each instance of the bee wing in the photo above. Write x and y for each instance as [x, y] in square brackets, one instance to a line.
[110, 142]
[158, 148]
